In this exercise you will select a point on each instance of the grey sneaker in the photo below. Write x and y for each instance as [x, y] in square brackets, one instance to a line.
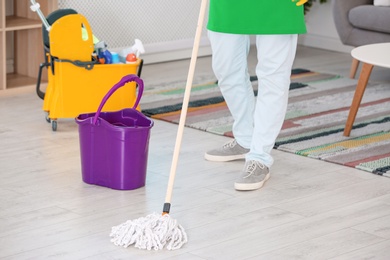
[228, 152]
[253, 177]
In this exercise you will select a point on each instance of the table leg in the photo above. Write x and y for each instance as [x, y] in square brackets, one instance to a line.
[354, 67]
[357, 98]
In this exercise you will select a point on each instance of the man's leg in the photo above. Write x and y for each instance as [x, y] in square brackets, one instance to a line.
[276, 54]
[229, 62]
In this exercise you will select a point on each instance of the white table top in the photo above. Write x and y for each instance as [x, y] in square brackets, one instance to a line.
[376, 54]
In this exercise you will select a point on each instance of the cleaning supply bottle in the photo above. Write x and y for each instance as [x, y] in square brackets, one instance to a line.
[115, 58]
[131, 58]
[136, 49]
[104, 55]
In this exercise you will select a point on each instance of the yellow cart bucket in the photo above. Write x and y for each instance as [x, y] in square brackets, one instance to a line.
[76, 85]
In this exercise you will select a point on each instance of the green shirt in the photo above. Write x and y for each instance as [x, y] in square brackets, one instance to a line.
[256, 17]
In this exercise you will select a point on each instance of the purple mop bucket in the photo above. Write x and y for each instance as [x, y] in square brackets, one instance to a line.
[114, 145]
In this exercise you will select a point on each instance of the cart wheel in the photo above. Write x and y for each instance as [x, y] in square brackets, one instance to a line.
[54, 125]
[47, 117]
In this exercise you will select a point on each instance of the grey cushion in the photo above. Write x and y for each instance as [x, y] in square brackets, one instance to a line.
[369, 17]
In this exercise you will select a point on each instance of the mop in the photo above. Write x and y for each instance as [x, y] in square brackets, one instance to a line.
[157, 231]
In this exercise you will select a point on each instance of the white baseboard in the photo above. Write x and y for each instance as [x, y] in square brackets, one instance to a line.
[175, 50]
[323, 42]
[174, 55]
[182, 49]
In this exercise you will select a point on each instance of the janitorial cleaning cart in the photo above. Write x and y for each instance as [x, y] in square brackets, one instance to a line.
[77, 77]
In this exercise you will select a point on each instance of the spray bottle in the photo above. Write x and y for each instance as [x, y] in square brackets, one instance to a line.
[137, 49]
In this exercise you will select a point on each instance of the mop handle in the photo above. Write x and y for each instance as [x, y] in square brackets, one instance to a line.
[186, 99]
[35, 7]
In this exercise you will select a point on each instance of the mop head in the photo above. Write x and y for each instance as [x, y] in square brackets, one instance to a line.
[154, 231]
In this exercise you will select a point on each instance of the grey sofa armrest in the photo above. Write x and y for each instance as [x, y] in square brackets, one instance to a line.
[340, 9]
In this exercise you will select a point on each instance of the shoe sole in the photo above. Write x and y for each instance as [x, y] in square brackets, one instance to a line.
[251, 186]
[216, 158]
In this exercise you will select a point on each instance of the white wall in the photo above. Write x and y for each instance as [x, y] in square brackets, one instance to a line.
[167, 27]
[321, 29]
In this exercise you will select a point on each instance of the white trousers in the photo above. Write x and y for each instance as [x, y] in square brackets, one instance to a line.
[257, 122]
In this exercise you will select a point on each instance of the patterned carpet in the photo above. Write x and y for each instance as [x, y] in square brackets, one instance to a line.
[317, 111]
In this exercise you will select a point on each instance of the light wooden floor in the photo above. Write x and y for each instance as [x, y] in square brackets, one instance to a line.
[309, 209]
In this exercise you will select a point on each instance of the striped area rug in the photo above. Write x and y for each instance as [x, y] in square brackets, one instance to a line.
[317, 112]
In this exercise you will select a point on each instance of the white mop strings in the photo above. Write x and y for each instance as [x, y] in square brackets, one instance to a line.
[151, 232]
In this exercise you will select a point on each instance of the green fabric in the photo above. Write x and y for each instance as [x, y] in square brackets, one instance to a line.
[256, 17]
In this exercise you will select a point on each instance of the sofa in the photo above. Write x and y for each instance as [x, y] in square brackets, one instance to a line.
[361, 22]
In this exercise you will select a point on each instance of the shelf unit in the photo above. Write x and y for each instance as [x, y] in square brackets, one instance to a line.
[22, 29]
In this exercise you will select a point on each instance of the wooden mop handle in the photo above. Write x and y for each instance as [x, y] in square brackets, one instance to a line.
[186, 99]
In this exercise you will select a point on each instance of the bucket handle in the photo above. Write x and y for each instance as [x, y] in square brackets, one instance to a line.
[121, 83]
